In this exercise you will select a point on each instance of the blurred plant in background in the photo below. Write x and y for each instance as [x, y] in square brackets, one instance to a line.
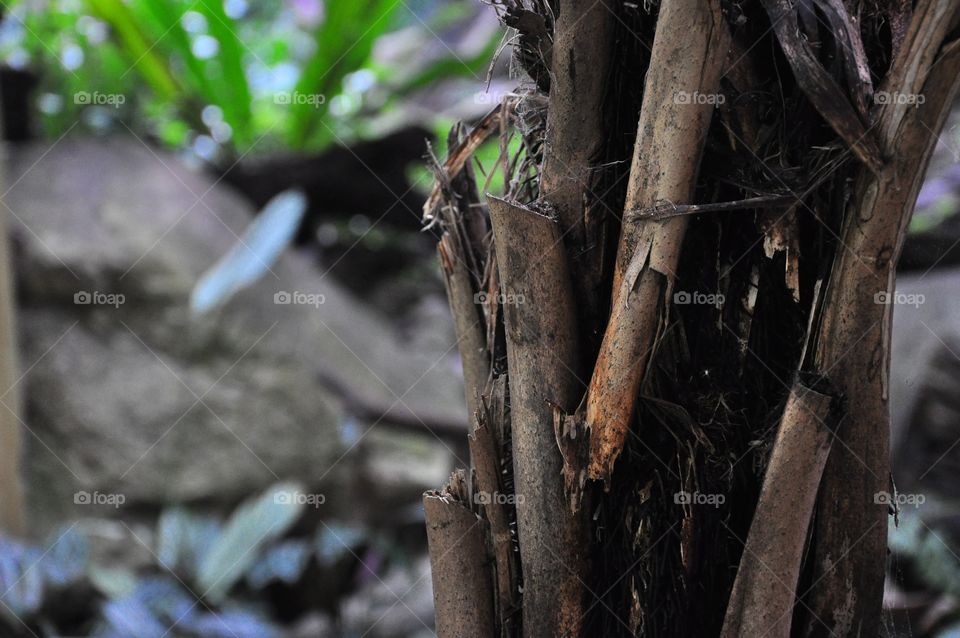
[206, 576]
[924, 592]
[219, 77]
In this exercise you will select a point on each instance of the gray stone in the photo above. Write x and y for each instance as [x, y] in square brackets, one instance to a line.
[400, 603]
[150, 401]
[925, 382]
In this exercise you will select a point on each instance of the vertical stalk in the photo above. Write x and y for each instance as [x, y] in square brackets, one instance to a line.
[582, 46]
[459, 564]
[11, 486]
[761, 603]
[689, 48]
[853, 343]
[541, 357]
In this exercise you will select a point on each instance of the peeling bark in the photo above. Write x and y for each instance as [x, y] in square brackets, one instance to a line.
[490, 489]
[688, 50]
[823, 92]
[806, 164]
[458, 159]
[468, 322]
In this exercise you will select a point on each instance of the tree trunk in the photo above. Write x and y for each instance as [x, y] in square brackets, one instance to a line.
[12, 518]
[675, 321]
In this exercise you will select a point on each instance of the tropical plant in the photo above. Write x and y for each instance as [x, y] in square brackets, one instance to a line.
[207, 576]
[675, 322]
[224, 75]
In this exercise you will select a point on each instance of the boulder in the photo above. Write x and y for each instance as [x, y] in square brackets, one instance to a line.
[127, 392]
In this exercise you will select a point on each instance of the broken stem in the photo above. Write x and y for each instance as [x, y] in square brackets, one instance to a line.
[459, 563]
[689, 48]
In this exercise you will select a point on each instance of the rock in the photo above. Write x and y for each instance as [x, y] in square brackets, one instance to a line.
[129, 393]
[398, 604]
[925, 383]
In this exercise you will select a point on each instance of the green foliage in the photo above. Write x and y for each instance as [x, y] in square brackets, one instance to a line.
[343, 43]
[222, 75]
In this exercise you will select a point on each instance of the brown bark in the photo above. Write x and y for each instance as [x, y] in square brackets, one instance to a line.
[468, 323]
[490, 492]
[813, 562]
[461, 249]
[762, 600]
[574, 136]
[459, 563]
[458, 158]
[854, 331]
[688, 51]
[541, 357]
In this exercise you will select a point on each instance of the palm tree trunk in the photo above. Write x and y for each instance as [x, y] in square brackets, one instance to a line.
[675, 322]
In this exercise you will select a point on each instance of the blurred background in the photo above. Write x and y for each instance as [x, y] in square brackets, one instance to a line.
[237, 371]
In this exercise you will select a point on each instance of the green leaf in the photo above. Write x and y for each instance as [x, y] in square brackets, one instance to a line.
[232, 88]
[168, 20]
[138, 46]
[344, 43]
